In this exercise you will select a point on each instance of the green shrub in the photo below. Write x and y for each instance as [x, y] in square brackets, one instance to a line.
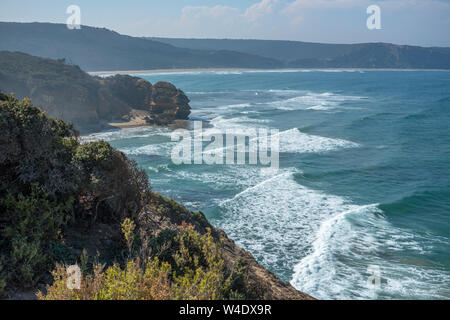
[33, 149]
[29, 223]
[197, 274]
[113, 186]
[94, 154]
[49, 182]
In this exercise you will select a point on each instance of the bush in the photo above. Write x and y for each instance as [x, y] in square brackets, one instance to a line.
[49, 183]
[33, 148]
[197, 274]
[29, 223]
[48, 180]
[114, 187]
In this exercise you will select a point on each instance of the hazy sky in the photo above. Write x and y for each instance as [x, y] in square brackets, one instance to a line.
[417, 22]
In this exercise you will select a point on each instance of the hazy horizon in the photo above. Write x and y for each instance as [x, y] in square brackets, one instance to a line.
[405, 22]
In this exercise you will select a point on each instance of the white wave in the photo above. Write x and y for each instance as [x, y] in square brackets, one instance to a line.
[291, 141]
[126, 133]
[349, 242]
[221, 123]
[233, 106]
[230, 177]
[223, 109]
[295, 141]
[227, 72]
[312, 101]
[277, 217]
[320, 108]
[160, 149]
[160, 169]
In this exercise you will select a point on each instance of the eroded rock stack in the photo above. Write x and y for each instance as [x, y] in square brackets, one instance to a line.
[163, 100]
[168, 104]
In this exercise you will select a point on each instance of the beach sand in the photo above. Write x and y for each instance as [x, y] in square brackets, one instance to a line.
[138, 118]
[103, 73]
[122, 72]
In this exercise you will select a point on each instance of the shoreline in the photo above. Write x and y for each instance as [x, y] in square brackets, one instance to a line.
[156, 71]
[137, 123]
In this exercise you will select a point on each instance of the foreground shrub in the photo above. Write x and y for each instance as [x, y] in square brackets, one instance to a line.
[48, 180]
[33, 149]
[29, 223]
[198, 274]
[113, 186]
[53, 189]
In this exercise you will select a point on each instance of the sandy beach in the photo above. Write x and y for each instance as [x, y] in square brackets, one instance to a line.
[138, 118]
[121, 72]
[102, 73]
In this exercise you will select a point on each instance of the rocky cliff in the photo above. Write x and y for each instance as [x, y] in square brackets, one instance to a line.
[66, 92]
[168, 103]
[63, 202]
[163, 100]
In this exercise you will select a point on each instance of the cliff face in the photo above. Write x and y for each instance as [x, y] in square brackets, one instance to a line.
[163, 100]
[68, 93]
[62, 202]
[168, 103]
[162, 215]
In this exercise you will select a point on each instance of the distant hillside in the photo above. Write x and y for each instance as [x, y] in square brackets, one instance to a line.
[296, 54]
[68, 93]
[383, 55]
[95, 49]
[275, 49]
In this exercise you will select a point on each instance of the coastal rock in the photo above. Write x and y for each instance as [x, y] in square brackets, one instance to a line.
[135, 92]
[90, 103]
[168, 104]
[163, 100]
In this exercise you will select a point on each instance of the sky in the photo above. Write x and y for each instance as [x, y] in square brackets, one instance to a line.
[413, 22]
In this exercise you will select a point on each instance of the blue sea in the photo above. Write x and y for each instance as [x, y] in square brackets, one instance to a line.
[363, 183]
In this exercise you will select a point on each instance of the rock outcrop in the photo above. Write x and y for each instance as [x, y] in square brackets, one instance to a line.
[168, 104]
[90, 103]
[163, 100]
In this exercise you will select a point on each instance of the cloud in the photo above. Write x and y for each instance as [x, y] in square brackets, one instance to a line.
[216, 12]
[297, 4]
[222, 21]
[217, 21]
[420, 22]
[260, 9]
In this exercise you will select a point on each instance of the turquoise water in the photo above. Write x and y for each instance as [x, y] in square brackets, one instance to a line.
[364, 176]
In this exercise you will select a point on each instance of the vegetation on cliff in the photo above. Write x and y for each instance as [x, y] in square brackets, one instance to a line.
[296, 54]
[96, 49]
[63, 202]
[66, 92]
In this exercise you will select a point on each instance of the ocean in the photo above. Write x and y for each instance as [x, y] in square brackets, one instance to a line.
[360, 206]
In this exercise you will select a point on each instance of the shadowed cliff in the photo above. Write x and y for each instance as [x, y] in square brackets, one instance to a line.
[68, 93]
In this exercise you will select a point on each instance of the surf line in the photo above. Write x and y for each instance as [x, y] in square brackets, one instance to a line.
[232, 147]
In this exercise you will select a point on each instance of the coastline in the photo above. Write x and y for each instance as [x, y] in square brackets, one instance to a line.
[156, 71]
[138, 119]
[122, 72]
